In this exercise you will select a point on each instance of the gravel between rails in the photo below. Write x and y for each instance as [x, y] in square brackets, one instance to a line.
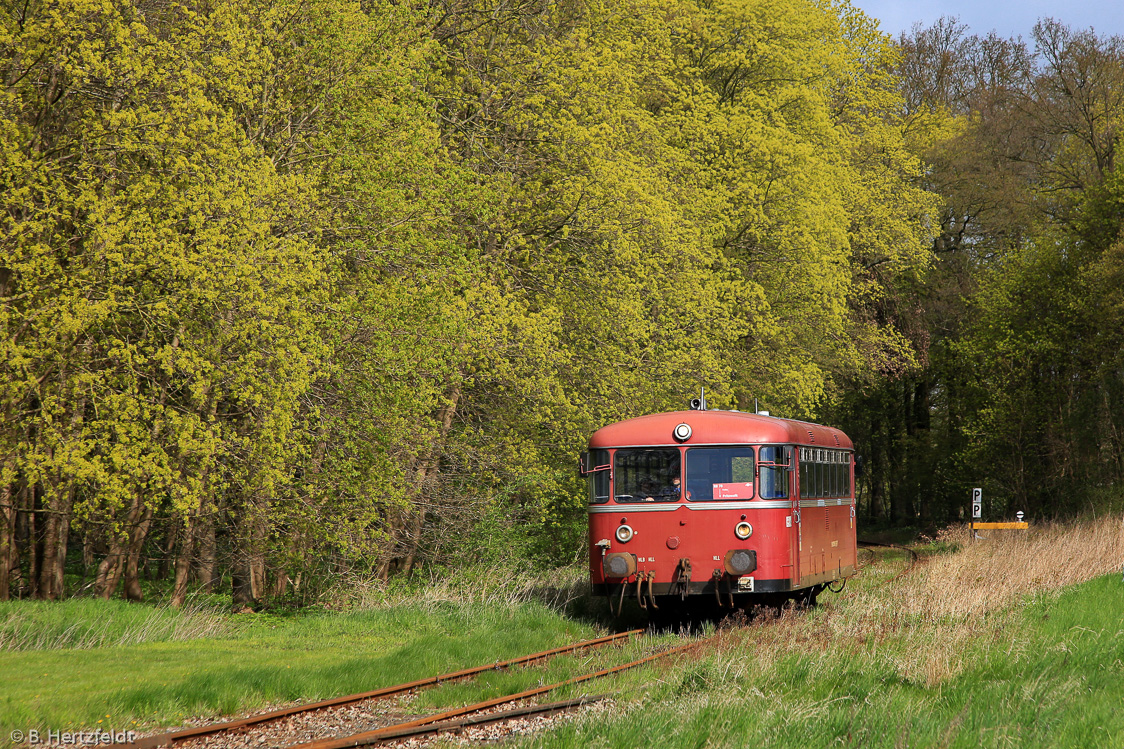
[363, 716]
[302, 727]
[494, 732]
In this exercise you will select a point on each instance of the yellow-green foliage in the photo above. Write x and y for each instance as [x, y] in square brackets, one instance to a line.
[693, 194]
[151, 286]
[326, 265]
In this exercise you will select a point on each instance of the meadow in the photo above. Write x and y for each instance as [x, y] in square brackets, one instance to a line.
[95, 664]
[1015, 640]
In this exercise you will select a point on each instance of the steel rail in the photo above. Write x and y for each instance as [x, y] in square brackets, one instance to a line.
[518, 712]
[150, 742]
[378, 735]
[914, 557]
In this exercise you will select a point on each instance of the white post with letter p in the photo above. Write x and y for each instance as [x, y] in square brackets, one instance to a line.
[977, 512]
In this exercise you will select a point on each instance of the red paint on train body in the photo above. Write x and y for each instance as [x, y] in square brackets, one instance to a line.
[721, 504]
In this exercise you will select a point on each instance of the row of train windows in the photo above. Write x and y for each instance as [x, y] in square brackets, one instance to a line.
[824, 473]
[822, 455]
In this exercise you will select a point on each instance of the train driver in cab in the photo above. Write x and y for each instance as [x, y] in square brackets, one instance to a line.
[672, 493]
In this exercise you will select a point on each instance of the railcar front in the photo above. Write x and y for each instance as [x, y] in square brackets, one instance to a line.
[718, 508]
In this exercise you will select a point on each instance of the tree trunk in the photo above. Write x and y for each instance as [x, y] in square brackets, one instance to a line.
[7, 535]
[242, 592]
[45, 588]
[187, 542]
[183, 563]
[258, 534]
[186, 555]
[207, 571]
[109, 571]
[280, 584]
[55, 535]
[167, 562]
[426, 473]
[17, 581]
[112, 568]
[247, 567]
[133, 590]
[63, 543]
[53, 568]
[34, 542]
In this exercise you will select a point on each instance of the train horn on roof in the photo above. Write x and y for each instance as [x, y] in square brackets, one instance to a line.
[699, 404]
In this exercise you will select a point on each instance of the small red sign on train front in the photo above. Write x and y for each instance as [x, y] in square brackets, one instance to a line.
[733, 491]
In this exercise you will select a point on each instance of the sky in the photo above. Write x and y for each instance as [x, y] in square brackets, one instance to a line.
[1006, 17]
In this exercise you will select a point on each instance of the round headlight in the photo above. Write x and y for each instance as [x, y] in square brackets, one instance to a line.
[682, 432]
[743, 530]
[625, 533]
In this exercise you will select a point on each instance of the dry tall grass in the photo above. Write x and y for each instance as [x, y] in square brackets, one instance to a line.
[991, 573]
[927, 624]
[1007, 564]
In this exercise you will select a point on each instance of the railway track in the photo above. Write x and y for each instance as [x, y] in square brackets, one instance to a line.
[254, 731]
[451, 720]
[914, 557]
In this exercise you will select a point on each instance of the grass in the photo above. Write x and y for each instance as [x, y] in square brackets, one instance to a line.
[1055, 682]
[84, 623]
[1016, 641]
[98, 664]
[1003, 643]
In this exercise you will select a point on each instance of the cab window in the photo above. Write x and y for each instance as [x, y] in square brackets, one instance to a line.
[720, 473]
[646, 475]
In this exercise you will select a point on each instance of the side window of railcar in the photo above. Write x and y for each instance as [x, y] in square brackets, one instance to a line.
[598, 480]
[811, 474]
[774, 478]
[720, 473]
[824, 473]
[821, 473]
[646, 475]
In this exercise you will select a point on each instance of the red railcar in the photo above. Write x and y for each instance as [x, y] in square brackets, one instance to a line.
[701, 508]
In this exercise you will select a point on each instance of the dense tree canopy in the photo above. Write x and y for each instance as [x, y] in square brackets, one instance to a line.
[1018, 321]
[302, 289]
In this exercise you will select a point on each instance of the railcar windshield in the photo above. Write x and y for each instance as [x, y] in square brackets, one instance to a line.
[717, 473]
[646, 475]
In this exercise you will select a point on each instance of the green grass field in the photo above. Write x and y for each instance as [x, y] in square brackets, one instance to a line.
[1048, 672]
[261, 659]
[878, 665]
